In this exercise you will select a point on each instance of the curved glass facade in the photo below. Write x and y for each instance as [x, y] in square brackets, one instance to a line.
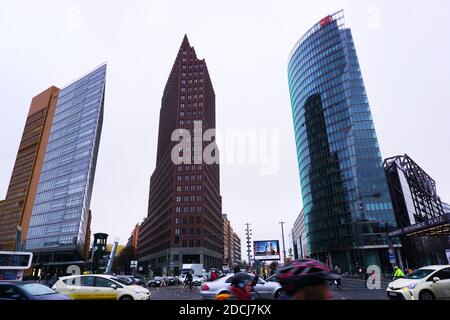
[346, 199]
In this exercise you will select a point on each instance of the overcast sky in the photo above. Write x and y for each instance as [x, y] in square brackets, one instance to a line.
[403, 49]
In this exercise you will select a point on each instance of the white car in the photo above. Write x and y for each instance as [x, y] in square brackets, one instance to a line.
[427, 283]
[99, 287]
[265, 290]
[197, 280]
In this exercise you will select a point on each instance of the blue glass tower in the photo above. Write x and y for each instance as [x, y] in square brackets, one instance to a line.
[346, 199]
[59, 226]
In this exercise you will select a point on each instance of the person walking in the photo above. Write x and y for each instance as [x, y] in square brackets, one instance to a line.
[214, 276]
[53, 280]
[366, 277]
[338, 283]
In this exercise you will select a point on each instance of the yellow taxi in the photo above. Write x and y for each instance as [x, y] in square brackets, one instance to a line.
[99, 287]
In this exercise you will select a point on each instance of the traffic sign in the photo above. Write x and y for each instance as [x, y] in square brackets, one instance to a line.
[134, 264]
[391, 258]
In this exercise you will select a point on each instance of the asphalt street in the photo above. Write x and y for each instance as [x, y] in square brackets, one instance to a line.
[352, 289]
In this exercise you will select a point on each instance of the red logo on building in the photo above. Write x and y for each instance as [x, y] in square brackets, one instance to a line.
[325, 21]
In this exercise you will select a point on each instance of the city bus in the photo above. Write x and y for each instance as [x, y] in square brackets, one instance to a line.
[13, 264]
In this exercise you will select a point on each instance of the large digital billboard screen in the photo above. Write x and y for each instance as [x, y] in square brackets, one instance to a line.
[266, 250]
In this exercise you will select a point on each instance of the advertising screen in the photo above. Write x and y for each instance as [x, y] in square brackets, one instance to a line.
[267, 250]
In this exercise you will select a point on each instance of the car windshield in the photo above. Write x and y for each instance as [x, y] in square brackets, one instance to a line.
[36, 289]
[124, 281]
[419, 274]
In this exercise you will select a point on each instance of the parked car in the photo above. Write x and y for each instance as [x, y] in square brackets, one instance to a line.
[28, 290]
[155, 282]
[99, 287]
[428, 283]
[265, 290]
[171, 281]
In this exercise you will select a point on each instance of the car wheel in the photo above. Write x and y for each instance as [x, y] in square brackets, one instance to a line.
[224, 292]
[278, 294]
[126, 298]
[426, 295]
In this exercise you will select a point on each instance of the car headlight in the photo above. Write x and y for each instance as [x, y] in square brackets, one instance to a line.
[412, 286]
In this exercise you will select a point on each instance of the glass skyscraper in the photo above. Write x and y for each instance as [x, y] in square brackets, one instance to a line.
[346, 199]
[59, 226]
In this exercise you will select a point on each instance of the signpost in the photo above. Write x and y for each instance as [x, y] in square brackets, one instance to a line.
[391, 258]
[134, 265]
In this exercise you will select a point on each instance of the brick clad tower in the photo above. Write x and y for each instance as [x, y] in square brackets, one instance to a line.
[184, 222]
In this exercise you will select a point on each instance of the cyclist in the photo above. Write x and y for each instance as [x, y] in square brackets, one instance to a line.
[306, 279]
[188, 280]
[398, 273]
[241, 288]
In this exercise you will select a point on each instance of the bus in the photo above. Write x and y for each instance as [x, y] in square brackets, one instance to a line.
[13, 264]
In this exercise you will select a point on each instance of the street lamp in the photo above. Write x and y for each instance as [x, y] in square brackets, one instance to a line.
[19, 238]
[284, 246]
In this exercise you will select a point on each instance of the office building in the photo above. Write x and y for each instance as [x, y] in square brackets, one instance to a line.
[184, 222]
[347, 206]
